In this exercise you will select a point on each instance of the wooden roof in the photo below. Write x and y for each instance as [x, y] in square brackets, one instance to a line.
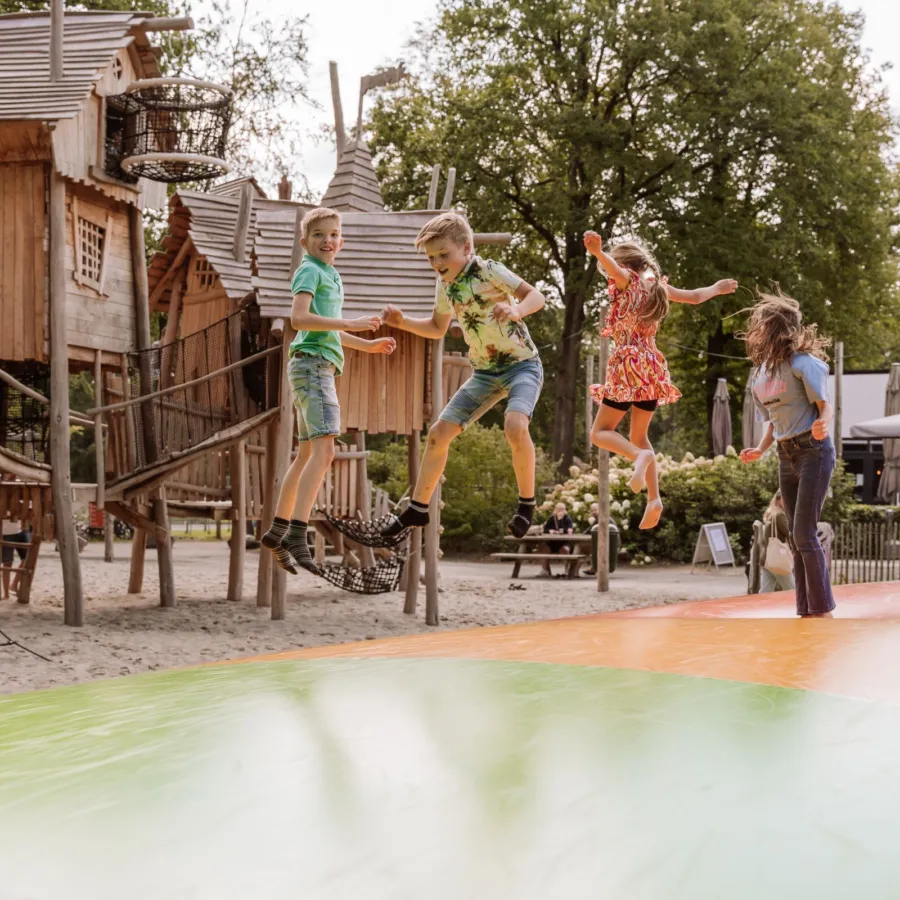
[90, 40]
[379, 263]
[354, 187]
[235, 185]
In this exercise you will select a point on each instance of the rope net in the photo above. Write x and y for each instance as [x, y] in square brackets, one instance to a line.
[180, 117]
[382, 578]
[24, 421]
[185, 418]
[368, 533]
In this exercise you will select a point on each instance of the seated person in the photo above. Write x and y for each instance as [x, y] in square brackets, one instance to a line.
[559, 523]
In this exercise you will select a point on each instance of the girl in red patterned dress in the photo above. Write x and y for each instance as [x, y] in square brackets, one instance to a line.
[637, 377]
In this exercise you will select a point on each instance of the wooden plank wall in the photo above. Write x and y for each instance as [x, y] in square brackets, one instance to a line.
[101, 321]
[23, 261]
[380, 394]
[31, 504]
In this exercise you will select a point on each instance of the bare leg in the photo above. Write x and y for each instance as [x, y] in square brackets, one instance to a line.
[320, 458]
[434, 460]
[640, 425]
[519, 439]
[287, 499]
[605, 436]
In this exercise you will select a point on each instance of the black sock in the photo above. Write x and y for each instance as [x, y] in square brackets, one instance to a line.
[296, 544]
[521, 521]
[414, 516]
[272, 538]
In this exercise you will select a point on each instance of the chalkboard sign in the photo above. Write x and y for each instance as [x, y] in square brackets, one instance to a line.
[713, 546]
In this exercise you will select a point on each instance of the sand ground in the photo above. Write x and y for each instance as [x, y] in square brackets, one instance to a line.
[125, 634]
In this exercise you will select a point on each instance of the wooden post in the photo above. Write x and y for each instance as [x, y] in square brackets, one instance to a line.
[364, 495]
[839, 399]
[275, 376]
[281, 455]
[339, 132]
[433, 529]
[433, 190]
[603, 493]
[57, 27]
[448, 191]
[237, 462]
[170, 335]
[99, 440]
[142, 334]
[588, 406]
[109, 538]
[242, 226]
[61, 480]
[297, 249]
[414, 561]
[138, 554]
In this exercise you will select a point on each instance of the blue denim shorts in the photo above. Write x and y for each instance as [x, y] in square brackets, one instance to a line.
[315, 397]
[521, 382]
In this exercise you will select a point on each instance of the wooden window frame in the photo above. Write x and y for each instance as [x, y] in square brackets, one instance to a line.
[84, 214]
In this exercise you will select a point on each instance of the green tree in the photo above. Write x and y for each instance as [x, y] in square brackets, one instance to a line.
[660, 118]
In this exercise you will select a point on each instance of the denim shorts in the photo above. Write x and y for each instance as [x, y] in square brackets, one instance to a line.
[521, 382]
[315, 397]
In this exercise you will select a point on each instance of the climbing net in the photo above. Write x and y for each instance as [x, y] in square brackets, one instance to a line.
[368, 533]
[382, 578]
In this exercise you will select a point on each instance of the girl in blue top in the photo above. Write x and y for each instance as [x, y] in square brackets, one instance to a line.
[790, 389]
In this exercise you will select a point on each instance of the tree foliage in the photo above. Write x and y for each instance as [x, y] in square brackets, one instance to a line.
[744, 138]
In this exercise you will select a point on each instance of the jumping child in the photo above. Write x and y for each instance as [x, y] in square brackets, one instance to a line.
[490, 303]
[637, 377]
[316, 356]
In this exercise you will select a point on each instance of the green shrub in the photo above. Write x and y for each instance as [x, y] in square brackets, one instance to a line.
[479, 494]
[695, 491]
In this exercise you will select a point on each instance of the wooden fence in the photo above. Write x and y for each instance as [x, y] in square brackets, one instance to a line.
[866, 551]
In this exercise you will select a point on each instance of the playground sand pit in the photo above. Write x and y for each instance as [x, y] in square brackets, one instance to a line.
[125, 634]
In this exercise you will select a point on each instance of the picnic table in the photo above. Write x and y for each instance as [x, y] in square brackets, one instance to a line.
[528, 546]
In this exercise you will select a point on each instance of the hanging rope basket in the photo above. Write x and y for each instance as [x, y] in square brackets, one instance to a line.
[168, 129]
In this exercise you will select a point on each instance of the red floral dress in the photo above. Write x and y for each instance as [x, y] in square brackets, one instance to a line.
[637, 370]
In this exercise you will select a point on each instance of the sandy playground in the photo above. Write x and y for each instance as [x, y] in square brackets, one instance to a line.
[125, 634]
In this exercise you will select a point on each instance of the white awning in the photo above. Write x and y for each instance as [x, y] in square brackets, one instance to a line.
[877, 429]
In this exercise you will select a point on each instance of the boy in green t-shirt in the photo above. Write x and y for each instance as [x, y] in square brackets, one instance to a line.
[316, 356]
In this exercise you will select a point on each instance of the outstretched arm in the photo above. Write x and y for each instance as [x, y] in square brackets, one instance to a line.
[701, 295]
[304, 320]
[385, 345]
[594, 245]
[434, 327]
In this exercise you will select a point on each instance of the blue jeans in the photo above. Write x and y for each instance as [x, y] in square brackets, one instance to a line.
[805, 465]
[315, 397]
[521, 382]
[769, 582]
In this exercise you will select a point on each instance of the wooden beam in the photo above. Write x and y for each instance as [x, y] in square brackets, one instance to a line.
[275, 374]
[281, 453]
[134, 518]
[99, 440]
[603, 491]
[237, 463]
[166, 23]
[242, 225]
[839, 399]
[339, 131]
[170, 335]
[22, 469]
[36, 395]
[414, 560]
[448, 191]
[493, 239]
[160, 287]
[24, 593]
[433, 190]
[60, 460]
[109, 538]
[57, 28]
[297, 248]
[164, 555]
[138, 555]
[432, 529]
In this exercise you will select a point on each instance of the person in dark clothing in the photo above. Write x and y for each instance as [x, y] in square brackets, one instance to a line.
[559, 523]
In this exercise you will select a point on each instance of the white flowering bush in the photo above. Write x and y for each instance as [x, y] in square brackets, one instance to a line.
[695, 490]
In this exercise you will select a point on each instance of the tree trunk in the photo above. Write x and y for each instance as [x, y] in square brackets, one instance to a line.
[567, 380]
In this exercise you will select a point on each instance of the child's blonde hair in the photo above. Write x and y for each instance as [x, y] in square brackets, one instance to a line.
[320, 214]
[636, 257]
[447, 225]
[776, 331]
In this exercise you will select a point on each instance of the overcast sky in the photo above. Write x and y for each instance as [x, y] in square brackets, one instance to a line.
[367, 34]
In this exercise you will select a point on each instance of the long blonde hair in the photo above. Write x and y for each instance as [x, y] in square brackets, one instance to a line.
[636, 257]
[773, 508]
[776, 331]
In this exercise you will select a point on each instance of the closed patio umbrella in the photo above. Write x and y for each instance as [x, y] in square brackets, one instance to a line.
[751, 426]
[889, 483]
[721, 419]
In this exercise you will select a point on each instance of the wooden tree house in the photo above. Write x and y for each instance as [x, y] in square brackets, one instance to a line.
[73, 289]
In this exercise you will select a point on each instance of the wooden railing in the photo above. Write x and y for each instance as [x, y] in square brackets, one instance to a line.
[866, 552]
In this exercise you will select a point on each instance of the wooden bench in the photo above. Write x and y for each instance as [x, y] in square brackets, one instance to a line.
[572, 561]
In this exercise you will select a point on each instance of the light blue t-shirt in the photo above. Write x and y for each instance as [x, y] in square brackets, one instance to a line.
[787, 396]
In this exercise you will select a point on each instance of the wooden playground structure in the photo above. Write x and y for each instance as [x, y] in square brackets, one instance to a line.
[198, 423]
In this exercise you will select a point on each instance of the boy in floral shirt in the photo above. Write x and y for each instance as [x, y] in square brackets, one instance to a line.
[490, 303]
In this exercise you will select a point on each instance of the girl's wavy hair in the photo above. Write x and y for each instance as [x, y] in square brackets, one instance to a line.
[636, 257]
[776, 331]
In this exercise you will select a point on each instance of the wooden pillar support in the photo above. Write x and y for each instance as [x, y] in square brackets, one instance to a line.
[603, 493]
[433, 529]
[275, 375]
[99, 436]
[138, 555]
[109, 538]
[61, 480]
[414, 559]
[237, 462]
[281, 451]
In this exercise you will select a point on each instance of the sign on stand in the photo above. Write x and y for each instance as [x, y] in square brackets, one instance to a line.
[713, 546]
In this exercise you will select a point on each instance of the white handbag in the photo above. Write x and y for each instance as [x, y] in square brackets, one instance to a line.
[779, 559]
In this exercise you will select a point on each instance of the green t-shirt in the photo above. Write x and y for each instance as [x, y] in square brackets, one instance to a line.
[324, 283]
